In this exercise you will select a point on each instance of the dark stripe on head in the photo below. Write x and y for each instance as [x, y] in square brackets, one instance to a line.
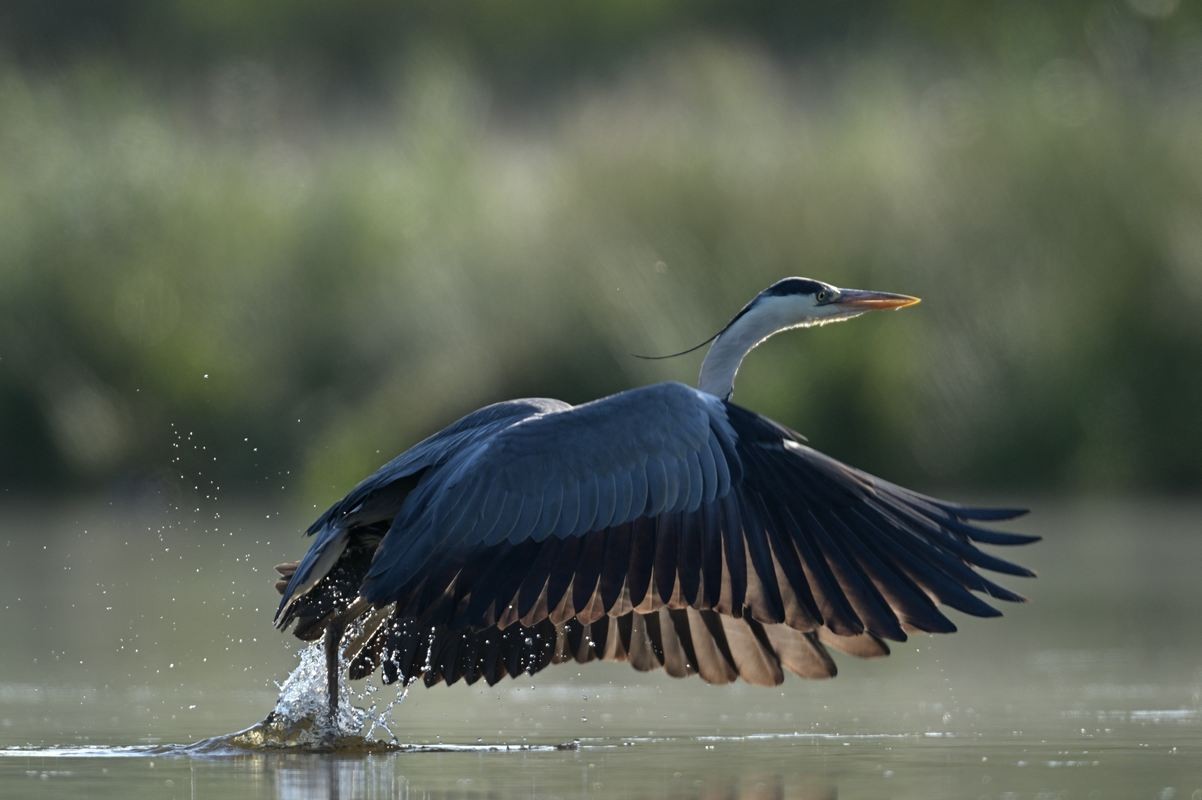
[787, 286]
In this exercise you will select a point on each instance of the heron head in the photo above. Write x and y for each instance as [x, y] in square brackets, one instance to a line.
[801, 302]
[788, 303]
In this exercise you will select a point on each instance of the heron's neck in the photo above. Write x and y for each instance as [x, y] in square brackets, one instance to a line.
[722, 362]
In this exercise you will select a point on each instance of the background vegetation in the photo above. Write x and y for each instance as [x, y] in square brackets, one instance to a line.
[280, 241]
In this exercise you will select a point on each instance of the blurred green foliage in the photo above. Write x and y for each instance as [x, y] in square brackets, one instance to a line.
[302, 236]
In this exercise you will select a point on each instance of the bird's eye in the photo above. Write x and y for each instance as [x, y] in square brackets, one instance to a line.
[823, 296]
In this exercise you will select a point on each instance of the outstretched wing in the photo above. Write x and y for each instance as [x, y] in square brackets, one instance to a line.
[666, 497]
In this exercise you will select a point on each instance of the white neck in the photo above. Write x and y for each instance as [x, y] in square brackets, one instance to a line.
[768, 316]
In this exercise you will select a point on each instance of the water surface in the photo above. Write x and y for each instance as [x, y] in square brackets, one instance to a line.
[129, 634]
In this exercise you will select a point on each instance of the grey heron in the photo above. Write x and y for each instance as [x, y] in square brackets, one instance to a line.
[663, 525]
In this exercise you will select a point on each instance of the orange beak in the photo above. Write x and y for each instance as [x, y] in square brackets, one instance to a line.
[874, 301]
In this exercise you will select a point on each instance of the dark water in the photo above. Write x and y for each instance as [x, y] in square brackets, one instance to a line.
[127, 635]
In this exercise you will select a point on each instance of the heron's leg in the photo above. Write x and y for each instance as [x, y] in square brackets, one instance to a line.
[334, 631]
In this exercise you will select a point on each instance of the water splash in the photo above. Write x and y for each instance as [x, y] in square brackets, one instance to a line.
[301, 720]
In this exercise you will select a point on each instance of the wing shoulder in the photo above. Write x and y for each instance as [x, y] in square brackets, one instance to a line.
[613, 434]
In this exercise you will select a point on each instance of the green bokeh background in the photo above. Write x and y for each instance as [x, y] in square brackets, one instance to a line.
[281, 241]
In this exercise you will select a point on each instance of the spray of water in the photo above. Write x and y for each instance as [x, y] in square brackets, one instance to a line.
[300, 719]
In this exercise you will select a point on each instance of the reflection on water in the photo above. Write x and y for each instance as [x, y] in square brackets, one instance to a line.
[293, 776]
[125, 639]
[337, 778]
[377, 779]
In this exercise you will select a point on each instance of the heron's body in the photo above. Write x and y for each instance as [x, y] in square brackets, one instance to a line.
[664, 526]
